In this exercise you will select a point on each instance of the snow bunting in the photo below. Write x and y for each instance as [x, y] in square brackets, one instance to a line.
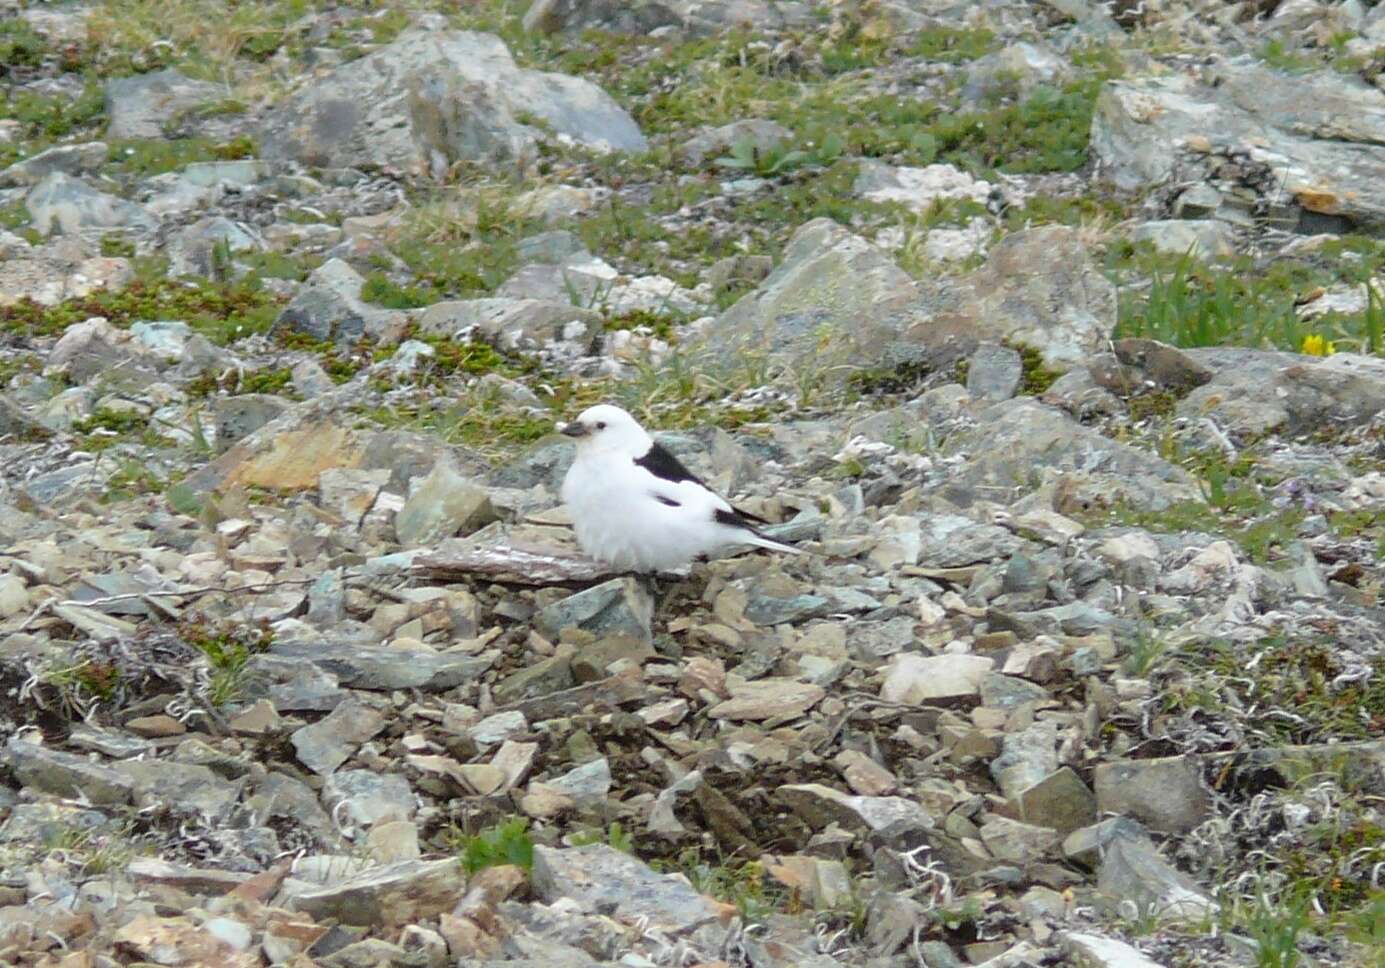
[637, 508]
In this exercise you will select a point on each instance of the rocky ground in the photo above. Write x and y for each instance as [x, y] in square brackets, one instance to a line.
[1054, 330]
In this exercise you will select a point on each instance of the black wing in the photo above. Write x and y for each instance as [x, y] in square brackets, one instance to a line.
[660, 462]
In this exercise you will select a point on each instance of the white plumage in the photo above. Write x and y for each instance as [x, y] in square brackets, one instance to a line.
[637, 508]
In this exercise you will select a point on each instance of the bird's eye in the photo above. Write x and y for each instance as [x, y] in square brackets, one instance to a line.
[601, 425]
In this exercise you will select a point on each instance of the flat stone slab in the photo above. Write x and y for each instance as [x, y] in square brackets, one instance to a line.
[601, 878]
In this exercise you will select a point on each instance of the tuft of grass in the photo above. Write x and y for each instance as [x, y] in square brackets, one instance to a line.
[133, 479]
[228, 651]
[1191, 304]
[382, 291]
[45, 118]
[507, 842]
[20, 45]
[615, 836]
[745, 884]
[223, 312]
[1048, 131]
[145, 158]
[953, 45]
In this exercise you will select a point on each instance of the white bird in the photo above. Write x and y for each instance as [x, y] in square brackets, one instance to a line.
[637, 508]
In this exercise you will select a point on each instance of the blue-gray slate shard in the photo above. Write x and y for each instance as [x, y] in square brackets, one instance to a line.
[604, 880]
[621, 606]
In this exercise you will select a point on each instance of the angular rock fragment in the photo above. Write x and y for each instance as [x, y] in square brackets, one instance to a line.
[601, 878]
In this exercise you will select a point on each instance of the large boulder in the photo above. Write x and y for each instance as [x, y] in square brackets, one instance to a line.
[1314, 139]
[1020, 444]
[432, 98]
[834, 303]
[1256, 391]
[67, 205]
[642, 16]
[140, 105]
[1039, 288]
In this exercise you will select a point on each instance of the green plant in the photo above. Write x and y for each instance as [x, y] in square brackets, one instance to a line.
[953, 45]
[1275, 929]
[381, 291]
[778, 158]
[614, 836]
[20, 45]
[222, 312]
[155, 157]
[505, 843]
[1191, 304]
[745, 884]
[228, 652]
[1146, 649]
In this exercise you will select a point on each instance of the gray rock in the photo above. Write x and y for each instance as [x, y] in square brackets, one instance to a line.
[236, 418]
[328, 306]
[820, 806]
[167, 338]
[601, 878]
[1022, 843]
[1255, 391]
[535, 679]
[552, 248]
[1009, 692]
[140, 105]
[60, 270]
[444, 504]
[362, 667]
[431, 98]
[585, 783]
[1166, 794]
[1309, 130]
[832, 302]
[328, 743]
[1017, 70]
[1039, 287]
[276, 795]
[1133, 874]
[1017, 439]
[614, 16]
[953, 540]
[1197, 202]
[707, 144]
[1060, 800]
[392, 895]
[66, 205]
[367, 798]
[915, 678]
[193, 250]
[994, 372]
[181, 787]
[66, 775]
[516, 324]
[1206, 238]
[1094, 951]
[1026, 759]
[67, 159]
[1086, 844]
[622, 606]
[770, 698]
[15, 424]
[772, 609]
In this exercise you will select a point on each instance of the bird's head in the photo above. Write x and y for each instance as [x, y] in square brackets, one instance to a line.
[608, 428]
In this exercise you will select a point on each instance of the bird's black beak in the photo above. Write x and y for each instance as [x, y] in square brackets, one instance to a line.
[575, 428]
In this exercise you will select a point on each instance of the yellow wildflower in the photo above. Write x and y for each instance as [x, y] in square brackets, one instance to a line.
[1315, 344]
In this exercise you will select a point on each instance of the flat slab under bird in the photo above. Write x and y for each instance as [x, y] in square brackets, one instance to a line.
[637, 508]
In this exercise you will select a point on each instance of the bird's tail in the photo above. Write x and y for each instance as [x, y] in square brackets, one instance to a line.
[760, 541]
